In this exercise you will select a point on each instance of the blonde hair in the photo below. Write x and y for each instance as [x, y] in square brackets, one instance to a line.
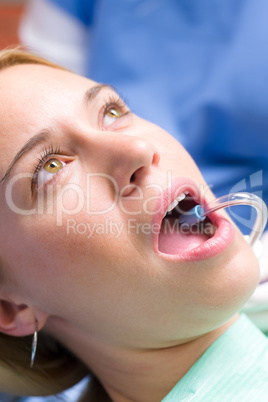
[55, 368]
[14, 56]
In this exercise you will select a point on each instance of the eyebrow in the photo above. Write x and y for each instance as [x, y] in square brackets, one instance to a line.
[92, 92]
[37, 139]
[46, 134]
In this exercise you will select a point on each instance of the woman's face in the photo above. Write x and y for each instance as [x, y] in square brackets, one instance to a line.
[82, 205]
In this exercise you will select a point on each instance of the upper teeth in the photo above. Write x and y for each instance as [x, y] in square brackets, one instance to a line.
[176, 201]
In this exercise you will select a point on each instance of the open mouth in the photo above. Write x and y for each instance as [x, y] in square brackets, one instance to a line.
[175, 238]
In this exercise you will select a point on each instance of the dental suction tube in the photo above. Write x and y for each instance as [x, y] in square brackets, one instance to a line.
[198, 214]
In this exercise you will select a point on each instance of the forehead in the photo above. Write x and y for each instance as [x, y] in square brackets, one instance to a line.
[33, 97]
[34, 83]
[34, 73]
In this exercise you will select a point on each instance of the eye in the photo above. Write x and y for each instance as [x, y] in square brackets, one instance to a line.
[50, 168]
[110, 115]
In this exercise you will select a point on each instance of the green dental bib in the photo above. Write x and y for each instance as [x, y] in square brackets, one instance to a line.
[233, 369]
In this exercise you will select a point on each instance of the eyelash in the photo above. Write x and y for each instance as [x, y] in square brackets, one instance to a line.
[113, 102]
[42, 158]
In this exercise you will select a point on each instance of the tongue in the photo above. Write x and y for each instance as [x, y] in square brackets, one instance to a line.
[174, 239]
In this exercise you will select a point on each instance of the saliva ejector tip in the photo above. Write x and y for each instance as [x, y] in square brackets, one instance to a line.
[193, 216]
[198, 214]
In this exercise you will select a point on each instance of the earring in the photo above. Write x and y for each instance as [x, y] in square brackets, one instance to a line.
[34, 344]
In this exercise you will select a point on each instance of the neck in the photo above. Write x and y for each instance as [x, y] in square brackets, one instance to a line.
[134, 375]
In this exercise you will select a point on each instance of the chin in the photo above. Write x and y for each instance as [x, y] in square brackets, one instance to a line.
[243, 276]
[234, 279]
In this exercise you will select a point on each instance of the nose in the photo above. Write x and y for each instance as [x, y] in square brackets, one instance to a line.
[127, 159]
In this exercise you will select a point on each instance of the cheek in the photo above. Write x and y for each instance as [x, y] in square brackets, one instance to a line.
[66, 264]
[78, 245]
[176, 156]
[17, 195]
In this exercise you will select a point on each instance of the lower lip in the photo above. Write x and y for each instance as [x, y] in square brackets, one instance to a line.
[217, 244]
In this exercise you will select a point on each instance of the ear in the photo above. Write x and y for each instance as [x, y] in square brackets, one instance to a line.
[20, 319]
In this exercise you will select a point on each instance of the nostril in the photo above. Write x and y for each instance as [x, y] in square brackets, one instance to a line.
[137, 175]
[132, 178]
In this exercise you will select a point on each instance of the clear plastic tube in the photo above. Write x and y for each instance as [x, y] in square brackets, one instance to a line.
[198, 214]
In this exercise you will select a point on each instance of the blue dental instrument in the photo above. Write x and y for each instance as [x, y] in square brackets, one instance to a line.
[198, 214]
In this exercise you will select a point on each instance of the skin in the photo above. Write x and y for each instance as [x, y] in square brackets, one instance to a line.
[138, 319]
